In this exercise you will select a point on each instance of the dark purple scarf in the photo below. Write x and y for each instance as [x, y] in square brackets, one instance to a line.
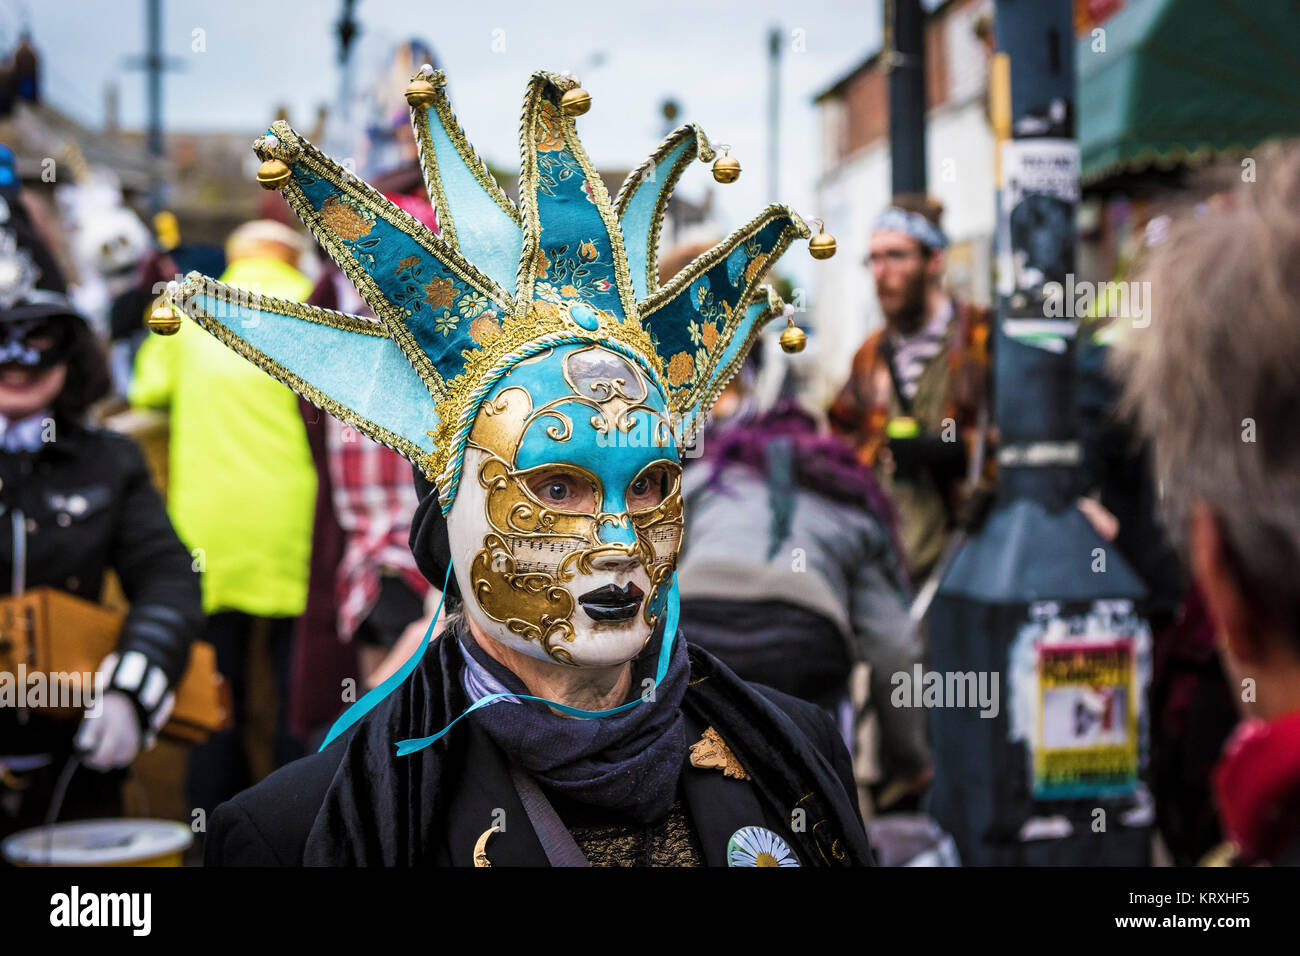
[629, 763]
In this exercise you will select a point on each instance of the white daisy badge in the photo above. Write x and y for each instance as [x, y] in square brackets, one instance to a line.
[759, 846]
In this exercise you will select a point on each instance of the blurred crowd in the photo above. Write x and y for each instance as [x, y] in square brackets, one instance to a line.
[279, 536]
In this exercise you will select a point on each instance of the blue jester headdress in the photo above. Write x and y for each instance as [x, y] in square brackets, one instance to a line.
[499, 283]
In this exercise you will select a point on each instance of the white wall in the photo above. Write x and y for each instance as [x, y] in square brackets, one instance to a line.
[959, 153]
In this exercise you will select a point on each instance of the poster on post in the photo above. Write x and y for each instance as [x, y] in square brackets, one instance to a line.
[1087, 740]
[1036, 236]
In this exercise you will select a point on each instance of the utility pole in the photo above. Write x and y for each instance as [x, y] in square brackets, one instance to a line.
[154, 64]
[668, 110]
[347, 29]
[1036, 604]
[773, 114]
[905, 61]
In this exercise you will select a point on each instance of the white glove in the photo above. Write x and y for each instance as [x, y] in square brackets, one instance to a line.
[111, 738]
[135, 688]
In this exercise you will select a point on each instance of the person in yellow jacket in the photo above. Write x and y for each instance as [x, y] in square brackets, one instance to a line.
[242, 492]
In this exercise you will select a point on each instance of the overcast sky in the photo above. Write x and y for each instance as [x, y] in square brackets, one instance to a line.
[709, 55]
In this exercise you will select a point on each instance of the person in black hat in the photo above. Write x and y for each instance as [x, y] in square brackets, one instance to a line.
[76, 501]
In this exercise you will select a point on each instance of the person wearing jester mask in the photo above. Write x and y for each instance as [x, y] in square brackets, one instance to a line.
[544, 384]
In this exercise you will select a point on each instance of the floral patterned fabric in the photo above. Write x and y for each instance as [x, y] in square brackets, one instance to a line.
[448, 304]
[444, 314]
[691, 330]
[576, 260]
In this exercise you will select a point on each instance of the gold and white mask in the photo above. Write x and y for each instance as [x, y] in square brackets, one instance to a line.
[567, 524]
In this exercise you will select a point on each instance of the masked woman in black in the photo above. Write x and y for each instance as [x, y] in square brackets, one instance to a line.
[595, 733]
[75, 502]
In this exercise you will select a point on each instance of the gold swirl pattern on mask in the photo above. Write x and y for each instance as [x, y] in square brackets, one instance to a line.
[531, 605]
[659, 532]
[500, 422]
[659, 575]
[612, 414]
[528, 601]
[513, 511]
[624, 393]
[608, 390]
[562, 433]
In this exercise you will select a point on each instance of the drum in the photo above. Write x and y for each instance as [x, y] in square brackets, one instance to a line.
[100, 843]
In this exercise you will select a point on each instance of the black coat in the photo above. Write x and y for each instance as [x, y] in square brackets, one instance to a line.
[356, 803]
[88, 505]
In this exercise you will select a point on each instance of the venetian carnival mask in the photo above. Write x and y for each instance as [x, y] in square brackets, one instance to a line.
[565, 532]
[525, 356]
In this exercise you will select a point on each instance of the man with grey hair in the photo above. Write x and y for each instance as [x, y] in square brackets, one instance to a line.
[1214, 383]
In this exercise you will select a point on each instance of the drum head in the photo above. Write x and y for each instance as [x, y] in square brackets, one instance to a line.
[97, 843]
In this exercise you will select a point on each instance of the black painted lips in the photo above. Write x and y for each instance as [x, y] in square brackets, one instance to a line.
[610, 603]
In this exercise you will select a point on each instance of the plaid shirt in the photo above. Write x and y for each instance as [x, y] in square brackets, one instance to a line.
[374, 499]
[373, 493]
[867, 401]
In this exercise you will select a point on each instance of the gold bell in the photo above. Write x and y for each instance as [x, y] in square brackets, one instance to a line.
[163, 319]
[575, 102]
[726, 169]
[822, 245]
[793, 338]
[273, 174]
[421, 92]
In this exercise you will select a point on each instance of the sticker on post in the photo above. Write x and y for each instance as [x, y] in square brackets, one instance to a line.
[1087, 740]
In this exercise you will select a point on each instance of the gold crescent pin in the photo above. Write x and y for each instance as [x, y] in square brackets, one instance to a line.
[11, 781]
[480, 847]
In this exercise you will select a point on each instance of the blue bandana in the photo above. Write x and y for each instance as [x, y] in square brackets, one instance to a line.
[913, 224]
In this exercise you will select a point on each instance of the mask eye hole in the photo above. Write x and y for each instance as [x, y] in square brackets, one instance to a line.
[650, 488]
[42, 336]
[563, 490]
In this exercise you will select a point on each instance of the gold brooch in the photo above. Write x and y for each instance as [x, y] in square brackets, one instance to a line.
[712, 753]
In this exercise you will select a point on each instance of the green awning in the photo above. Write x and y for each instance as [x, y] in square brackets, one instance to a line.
[1183, 80]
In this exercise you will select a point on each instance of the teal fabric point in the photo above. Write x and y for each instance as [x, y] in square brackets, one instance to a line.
[445, 296]
[584, 315]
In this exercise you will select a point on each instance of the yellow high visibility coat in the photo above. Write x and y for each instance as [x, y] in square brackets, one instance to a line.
[242, 486]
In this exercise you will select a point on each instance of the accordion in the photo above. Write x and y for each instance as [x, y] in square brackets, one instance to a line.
[57, 636]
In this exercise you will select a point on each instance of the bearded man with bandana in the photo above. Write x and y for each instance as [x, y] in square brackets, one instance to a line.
[544, 384]
[916, 404]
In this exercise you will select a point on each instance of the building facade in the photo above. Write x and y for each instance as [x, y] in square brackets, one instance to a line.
[854, 185]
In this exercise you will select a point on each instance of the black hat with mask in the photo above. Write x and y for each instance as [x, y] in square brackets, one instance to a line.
[38, 324]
